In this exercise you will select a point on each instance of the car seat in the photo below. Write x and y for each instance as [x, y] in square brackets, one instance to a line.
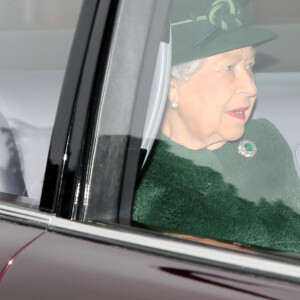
[11, 177]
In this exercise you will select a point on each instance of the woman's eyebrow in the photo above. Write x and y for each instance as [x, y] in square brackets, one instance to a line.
[235, 58]
[228, 58]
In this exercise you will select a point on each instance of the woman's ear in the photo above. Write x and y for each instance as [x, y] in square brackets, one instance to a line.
[173, 91]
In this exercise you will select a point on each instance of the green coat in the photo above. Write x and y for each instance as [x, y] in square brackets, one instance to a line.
[223, 195]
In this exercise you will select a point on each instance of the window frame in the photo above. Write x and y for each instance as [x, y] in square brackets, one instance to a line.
[66, 152]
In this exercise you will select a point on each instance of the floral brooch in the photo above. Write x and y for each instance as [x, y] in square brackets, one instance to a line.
[247, 148]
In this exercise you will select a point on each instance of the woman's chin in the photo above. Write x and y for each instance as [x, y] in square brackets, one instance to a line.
[235, 134]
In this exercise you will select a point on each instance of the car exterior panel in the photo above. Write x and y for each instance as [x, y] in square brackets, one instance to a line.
[60, 267]
[13, 239]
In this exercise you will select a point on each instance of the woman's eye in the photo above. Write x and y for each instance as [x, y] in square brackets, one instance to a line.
[250, 66]
[228, 68]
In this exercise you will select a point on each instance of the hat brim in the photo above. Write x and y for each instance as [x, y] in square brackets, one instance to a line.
[222, 42]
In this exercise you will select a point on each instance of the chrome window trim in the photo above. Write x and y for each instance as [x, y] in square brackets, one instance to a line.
[232, 258]
[212, 254]
[18, 212]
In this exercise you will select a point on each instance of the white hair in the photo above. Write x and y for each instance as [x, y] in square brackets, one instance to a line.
[186, 70]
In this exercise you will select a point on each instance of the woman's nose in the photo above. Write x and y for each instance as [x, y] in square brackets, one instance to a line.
[247, 84]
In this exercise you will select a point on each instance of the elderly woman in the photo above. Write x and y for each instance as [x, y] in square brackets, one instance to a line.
[213, 172]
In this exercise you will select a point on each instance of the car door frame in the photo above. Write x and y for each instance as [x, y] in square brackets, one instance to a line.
[76, 105]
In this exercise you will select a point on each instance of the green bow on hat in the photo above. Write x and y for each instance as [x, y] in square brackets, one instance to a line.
[202, 28]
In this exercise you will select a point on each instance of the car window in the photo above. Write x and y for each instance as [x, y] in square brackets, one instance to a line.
[129, 73]
[36, 38]
[224, 164]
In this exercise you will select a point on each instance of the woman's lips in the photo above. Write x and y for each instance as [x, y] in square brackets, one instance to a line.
[238, 113]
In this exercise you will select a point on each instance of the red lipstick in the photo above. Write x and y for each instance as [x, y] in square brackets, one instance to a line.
[238, 113]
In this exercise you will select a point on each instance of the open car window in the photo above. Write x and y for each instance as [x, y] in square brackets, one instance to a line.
[36, 39]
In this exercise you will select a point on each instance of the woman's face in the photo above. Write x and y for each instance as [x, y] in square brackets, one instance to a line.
[216, 101]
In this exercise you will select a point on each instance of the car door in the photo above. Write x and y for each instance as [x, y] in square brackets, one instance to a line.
[76, 239]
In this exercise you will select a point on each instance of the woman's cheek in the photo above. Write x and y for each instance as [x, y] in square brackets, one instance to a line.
[251, 106]
[225, 78]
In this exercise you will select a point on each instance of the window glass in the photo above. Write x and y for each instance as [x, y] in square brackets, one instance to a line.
[225, 162]
[35, 41]
[114, 157]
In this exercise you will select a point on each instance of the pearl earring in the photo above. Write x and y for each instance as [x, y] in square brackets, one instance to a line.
[173, 104]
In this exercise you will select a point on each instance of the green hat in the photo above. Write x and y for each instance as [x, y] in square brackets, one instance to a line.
[202, 28]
